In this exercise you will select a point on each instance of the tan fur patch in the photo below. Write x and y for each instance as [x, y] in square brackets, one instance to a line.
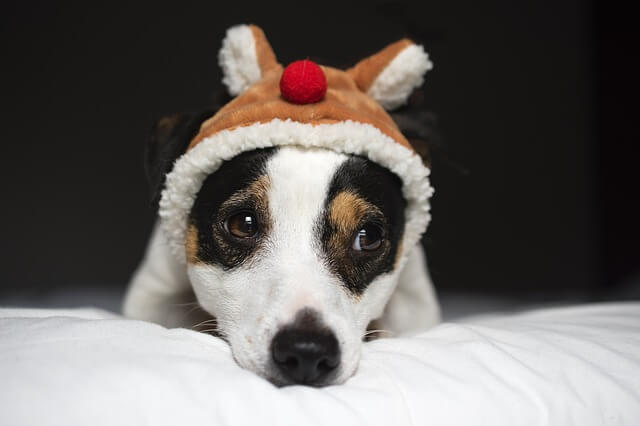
[256, 196]
[398, 255]
[191, 245]
[258, 192]
[347, 210]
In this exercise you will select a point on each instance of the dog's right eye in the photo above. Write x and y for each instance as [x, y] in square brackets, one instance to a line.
[369, 238]
[242, 225]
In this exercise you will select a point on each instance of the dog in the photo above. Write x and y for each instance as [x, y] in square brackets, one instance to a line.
[291, 252]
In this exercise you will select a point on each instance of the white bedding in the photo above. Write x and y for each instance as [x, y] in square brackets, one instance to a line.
[562, 366]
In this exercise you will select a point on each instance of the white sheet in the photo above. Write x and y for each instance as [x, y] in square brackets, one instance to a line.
[568, 366]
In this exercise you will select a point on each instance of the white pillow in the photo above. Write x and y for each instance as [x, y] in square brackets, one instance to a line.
[563, 366]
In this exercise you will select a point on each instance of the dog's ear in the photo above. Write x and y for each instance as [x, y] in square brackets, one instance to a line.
[169, 138]
[419, 126]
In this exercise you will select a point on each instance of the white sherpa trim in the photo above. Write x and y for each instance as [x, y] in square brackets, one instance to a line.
[349, 137]
[238, 59]
[397, 80]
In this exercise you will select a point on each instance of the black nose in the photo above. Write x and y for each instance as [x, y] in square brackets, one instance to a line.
[305, 356]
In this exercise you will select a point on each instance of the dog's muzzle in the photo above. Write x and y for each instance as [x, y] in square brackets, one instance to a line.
[306, 351]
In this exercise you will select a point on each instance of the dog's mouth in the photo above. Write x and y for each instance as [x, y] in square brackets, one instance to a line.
[302, 352]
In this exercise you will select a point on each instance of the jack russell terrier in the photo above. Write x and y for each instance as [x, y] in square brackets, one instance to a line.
[293, 213]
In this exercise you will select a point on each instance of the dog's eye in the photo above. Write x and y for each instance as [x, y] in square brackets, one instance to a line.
[242, 225]
[368, 238]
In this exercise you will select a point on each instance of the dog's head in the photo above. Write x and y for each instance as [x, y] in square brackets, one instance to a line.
[294, 251]
[291, 243]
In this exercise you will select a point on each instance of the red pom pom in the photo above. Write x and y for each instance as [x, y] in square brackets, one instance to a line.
[303, 82]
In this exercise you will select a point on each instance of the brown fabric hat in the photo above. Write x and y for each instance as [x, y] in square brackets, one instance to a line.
[351, 119]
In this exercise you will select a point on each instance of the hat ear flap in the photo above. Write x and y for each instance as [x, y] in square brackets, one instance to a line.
[391, 75]
[245, 57]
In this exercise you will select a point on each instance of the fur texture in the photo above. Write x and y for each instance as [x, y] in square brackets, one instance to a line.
[253, 300]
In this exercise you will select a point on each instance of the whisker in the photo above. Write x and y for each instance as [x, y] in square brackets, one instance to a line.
[205, 323]
[370, 334]
[389, 333]
[215, 332]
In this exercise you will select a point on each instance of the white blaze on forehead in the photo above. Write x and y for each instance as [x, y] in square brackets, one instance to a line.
[300, 179]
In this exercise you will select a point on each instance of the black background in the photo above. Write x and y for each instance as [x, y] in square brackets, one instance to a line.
[536, 184]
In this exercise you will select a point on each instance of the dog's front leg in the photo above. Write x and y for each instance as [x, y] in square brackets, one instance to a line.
[413, 306]
[160, 287]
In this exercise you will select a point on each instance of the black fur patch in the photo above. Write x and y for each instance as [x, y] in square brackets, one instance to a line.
[380, 187]
[211, 208]
[419, 126]
[168, 140]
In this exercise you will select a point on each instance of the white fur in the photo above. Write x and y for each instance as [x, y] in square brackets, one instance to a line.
[349, 137]
[413, 306]
[251, 302]
[155, 291]
[396, 82]
[238, 60]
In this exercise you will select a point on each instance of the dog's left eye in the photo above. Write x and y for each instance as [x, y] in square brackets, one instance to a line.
[242, 225]
[368, 238]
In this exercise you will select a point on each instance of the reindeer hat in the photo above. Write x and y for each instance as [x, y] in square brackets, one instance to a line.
[305, 105]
